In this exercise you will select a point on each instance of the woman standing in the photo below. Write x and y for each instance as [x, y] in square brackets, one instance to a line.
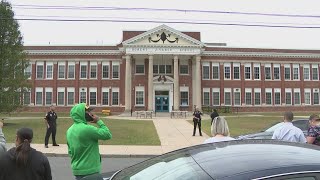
[219, 131]
[197, 121]
[24, 162]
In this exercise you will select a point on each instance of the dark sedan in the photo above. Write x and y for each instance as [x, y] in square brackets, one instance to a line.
[303, 124]
[246, 159]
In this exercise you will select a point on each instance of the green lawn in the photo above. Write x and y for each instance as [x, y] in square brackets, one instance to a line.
[124, 132]
[242, 125]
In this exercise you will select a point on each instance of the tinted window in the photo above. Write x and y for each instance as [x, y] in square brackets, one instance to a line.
[274, 127]
[175, 165]
[302, 124]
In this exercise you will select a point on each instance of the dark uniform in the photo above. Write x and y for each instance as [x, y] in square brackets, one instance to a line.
[197, 121]
[51, 118]
[213, 115]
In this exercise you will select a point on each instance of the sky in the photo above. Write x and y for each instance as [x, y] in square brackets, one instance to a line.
[110, 33]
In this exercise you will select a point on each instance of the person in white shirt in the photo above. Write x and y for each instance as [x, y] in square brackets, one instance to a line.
[219, 131]
[288, 132]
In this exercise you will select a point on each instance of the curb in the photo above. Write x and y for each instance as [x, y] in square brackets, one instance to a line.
[106, 155]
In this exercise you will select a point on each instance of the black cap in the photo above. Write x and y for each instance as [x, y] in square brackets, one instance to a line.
[89, 108]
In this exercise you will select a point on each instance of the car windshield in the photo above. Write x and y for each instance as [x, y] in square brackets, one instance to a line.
[175, 165]
[274, 127]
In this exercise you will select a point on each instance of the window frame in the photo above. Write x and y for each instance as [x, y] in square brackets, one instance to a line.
[214, 73]
[93, 64]
[288, 90]
[70, 90]
[64, 70]
[287, 66]
[83, 64]
[247, 66]
[254, 72]
[215, 90]
[227, 90]
[276, 74]
[115, 90]
[61, 90]
[315, 66]
[257, 90]
[207, 66]
[277, 91]
[38, 90]
[70, 64]
[105, 90]
[269, 91]
[248, 90]
[236, 65]
[39, 64]
[268, 66]
[225, 73]
[139, 89]
[105, 64]
[296, 90]
[115, 64]
[81, 91]
[49, 64]
[206, 91]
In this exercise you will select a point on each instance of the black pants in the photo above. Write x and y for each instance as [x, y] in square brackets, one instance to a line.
[51, 130]
[195, 123]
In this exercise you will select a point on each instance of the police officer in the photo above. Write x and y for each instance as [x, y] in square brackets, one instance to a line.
[197, 121]
[51, 122]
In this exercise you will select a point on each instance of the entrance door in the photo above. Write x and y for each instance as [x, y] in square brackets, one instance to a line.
[162, 101]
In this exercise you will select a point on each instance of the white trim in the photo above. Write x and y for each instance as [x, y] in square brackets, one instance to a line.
[59, 90]
[73, 52]
[277, 90]
[236, 90]
[107, 90]
[70, 89]
[307, 90]
[268, 90]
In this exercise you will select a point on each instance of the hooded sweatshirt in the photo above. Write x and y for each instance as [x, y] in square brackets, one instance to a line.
[2, 143]
[82, 139]
[37, 168]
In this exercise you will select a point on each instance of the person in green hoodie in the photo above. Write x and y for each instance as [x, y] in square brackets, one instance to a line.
[82, 140]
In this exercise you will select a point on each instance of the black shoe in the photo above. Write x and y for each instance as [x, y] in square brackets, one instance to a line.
[46, 146]
[192, 135]
[55, 145]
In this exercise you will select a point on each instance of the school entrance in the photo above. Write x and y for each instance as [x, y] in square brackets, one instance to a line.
[162, 101]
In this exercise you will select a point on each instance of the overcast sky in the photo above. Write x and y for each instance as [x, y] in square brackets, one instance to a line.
[110, 33]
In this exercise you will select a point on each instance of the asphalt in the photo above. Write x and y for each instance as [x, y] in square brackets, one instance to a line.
[174, 133]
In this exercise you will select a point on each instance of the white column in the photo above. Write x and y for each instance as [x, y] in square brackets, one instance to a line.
[150, 84]
[128, 84]
[176, 86]
[198, 82]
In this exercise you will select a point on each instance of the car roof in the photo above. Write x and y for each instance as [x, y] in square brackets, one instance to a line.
[255, 158]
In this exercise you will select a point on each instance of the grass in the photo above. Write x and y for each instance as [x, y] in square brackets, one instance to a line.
[242, 125]
[124, 132]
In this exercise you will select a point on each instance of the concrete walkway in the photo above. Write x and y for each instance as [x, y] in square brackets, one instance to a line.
[173, 134]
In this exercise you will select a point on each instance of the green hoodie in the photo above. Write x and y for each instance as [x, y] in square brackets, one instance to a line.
[82, 139]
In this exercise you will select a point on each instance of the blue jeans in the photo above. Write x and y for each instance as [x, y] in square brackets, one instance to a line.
[96, 176]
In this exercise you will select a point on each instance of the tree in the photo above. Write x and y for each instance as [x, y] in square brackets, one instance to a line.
[13, 62]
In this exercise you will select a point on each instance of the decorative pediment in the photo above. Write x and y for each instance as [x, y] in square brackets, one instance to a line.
[163, 35]
[162, 79]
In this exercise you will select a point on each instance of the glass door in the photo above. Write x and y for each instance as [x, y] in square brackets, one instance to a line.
[162, 103]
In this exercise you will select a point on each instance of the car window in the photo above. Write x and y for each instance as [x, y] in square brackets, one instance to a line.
[302, 124]
[274, 127]
[165, 167]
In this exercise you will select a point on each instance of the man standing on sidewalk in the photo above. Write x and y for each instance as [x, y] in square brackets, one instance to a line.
[288, 132]
[82, 140]
[3, 148]
[51, 123]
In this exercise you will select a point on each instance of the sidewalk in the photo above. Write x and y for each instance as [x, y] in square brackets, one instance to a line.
[173, 134]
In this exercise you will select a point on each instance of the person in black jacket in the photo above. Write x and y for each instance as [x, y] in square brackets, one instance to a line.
[24, 162]
[51, 122]
[214, 114]
[197, 121]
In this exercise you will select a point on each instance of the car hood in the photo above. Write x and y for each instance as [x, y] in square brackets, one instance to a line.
[259, 135]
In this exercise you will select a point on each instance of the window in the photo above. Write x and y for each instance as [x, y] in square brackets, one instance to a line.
[277, 96]
[139, 66]
[268, 96]
[287, 72]
[70, 93]
[247, 71]
[227, 71]
[49, 70]
[83, 70]
[267, 71]
[105, 96]
[48, 96]
[306, 72]
[39, 91]
[256, 70]
[248, 96]
[315, 96]
[139, 96]
[227, 96]
[205, 71]
[27, 71]
[257, 96]
[276, 71]
[26, 98]
[83, 95]
[39, 70]
[296, 72]
[184, 69]
[115, 96]
[288, 96]
[115, 70]
[184, 96]
[307, 96]
[61, 70]
[236, 70]
[315, 72]
[206, 96]
[93, 96]
[237, 97]
[215, 71]
[168, 69]
[105, 70]
[60, 96]
[93, 70]
[71, 68]
[216, 96]
[155, 69]
[297, 100]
